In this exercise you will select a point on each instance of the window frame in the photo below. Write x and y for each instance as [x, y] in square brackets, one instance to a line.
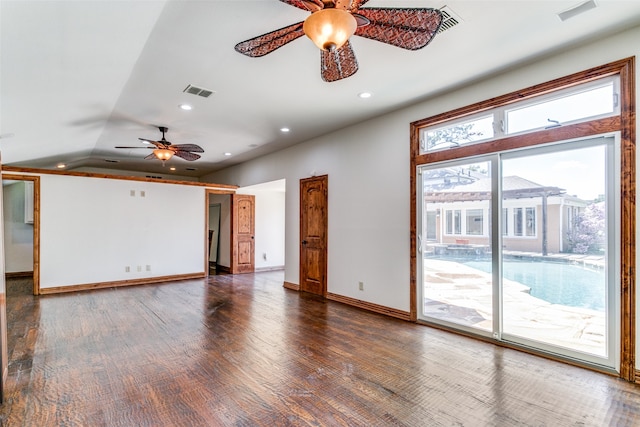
[622, 123]
[468, 217]
[501, 112]
[563, 93]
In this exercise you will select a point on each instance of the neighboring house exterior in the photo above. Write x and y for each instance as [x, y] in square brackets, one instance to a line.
[535, 218]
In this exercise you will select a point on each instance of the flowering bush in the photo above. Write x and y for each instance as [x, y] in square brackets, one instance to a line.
[588, 232]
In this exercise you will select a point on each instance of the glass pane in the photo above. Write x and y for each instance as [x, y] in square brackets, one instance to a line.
[531, 221]
[554, 264]
[505, 221]
[574, 107]
[459, 134]
[456, 201]
[474, 221]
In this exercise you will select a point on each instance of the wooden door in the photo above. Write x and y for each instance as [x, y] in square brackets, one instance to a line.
[313, 234]
[243, 241]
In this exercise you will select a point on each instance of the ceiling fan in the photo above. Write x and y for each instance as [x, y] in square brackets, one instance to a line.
[331, 23]
[164, 150]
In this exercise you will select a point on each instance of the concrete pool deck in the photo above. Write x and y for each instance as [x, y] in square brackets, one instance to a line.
[461, 294]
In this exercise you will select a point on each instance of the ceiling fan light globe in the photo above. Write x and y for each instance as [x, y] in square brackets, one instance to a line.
[329, 29]
[163, 154]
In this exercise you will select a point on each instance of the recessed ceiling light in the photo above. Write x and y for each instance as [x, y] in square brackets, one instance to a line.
[186, 107]
[285, 130]
[61, 166]
[172, 168]
[365, 95]
[227, 154]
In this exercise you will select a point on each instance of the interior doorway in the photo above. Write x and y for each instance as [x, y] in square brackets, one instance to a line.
[219, 233]
[21, 253]
[270, 204]
[266, 251]
[214, 234]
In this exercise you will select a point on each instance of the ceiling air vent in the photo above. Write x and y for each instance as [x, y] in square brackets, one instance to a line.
[449, 19]
[194, 90]
[191, 169]
[111, 161]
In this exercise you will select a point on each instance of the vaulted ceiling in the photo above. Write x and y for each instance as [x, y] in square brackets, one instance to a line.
[78, 78]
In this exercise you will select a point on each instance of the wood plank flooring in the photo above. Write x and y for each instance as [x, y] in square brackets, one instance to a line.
[244, 351]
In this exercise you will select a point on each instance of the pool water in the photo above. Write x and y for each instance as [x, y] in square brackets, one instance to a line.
[557, 283]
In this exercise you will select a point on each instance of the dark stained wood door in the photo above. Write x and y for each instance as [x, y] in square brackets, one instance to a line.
[313, 234]
[243, 233]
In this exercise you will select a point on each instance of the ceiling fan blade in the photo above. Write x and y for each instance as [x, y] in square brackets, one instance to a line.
[410, 29]
[350, 5]
[187, 147]
[267, 43]
[187, 155]
[151, 148]
[338, 64]
[150, 157]
[310, 5]
[158, 144]
[360, 20]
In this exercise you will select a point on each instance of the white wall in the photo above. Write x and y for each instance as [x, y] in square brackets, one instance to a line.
[368, 168]
[224, 250]
[368, 206]
[269, 224]
[18, 235]
[92, 228]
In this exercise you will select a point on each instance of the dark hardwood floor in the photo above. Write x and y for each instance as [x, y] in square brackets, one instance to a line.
[244, 351]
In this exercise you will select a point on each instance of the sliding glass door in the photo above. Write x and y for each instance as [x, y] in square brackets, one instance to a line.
[456, 232]
[518, 246]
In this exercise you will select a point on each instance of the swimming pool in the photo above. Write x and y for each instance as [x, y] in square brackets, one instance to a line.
[557, 283]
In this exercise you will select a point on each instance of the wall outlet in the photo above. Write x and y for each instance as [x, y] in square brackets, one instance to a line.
[148, 267]
[127, 269]
[361, 286]
[139, 268]
[264, 256]
[132, 193]
[142, 193]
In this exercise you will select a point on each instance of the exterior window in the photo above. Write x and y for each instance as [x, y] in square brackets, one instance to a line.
[471, 130]
[531, 221]
[431, 225]
[505, 221]
[563, 150]
[454, 222]
[517, 221]
[474, 222]
[590, 102]
[524, 222]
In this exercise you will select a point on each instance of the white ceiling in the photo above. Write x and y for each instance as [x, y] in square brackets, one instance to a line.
[80, 77]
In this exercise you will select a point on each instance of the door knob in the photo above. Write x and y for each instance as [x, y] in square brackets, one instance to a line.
[304, 242]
